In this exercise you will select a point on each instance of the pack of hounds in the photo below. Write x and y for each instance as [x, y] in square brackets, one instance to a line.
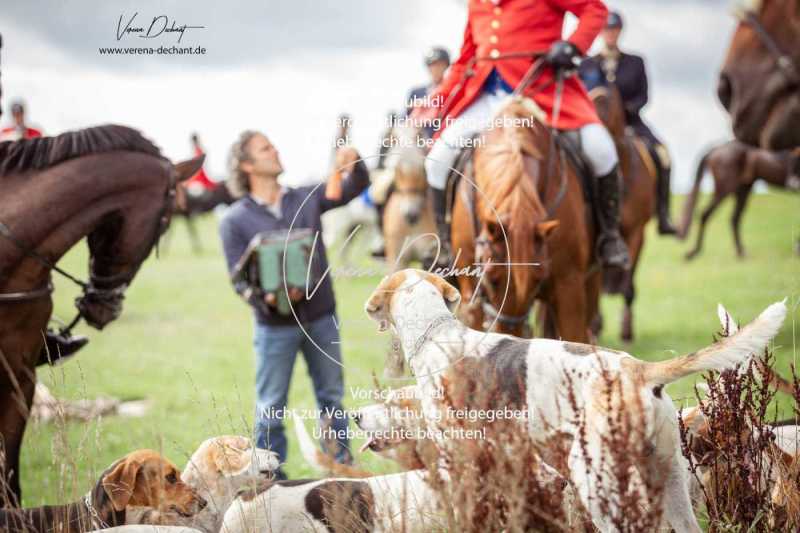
[227, 485]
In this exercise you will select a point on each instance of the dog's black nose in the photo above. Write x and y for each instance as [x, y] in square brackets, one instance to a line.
[356, 418]
[201, 503]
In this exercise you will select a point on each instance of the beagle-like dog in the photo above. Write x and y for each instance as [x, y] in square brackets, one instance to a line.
[142, 478]
[395, 502]
[222, 469]
[563, 385]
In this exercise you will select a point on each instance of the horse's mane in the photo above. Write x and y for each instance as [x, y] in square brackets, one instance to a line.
[44, 152]
[507, 188]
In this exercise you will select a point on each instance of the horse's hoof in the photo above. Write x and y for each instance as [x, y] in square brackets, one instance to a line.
[689, 256]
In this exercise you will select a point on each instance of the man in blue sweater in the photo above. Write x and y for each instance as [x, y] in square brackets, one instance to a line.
[265, 206]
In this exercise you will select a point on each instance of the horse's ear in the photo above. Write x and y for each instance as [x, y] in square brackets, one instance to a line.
[187, 169]
[544, 229]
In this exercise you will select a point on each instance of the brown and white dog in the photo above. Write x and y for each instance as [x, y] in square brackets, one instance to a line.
[142, 478]
[221, 470]
[393, 502]
[418, 306]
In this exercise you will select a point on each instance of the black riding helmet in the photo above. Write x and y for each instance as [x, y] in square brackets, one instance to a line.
[614, 20]
[437, 53]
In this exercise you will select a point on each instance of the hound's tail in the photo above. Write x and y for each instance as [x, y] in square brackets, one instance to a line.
[725, 354]
[691, 199]
[767, 373]
[322, 461]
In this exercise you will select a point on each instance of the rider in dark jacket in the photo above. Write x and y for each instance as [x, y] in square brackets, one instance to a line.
[627, 72]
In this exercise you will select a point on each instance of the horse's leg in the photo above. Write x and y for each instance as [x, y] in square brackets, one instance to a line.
[569, 295]
[636, 242]
[194, 237]
[719, 195]
[16, 401]
[742, 195]
[593, 290]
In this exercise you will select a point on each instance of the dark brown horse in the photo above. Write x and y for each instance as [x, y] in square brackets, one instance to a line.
[735, 167]
[529, 203]
[759, 83]
[639, 200]
[108, 184]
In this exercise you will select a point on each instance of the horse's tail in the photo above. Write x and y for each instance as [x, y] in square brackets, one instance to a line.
[691, 200]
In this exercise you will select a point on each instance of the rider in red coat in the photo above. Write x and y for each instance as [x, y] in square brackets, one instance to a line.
[495, 29]
[20, 130]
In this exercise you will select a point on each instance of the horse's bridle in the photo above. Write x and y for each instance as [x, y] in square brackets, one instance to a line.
[112, 288]
[783, 60]
[491, 313]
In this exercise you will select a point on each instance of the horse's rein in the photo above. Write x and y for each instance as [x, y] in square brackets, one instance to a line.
[88, 288]
[533, 73]
[783, 61]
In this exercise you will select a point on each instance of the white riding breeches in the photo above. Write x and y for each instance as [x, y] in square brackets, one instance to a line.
[595, 141]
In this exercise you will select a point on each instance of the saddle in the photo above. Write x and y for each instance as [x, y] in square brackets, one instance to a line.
[566, 146]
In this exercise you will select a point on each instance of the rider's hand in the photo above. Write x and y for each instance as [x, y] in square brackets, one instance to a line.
[422, 115]
[563, 55]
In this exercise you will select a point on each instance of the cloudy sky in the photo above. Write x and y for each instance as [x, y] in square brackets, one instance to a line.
[289, 67]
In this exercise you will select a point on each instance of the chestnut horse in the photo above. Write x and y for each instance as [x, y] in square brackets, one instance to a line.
[524, 220]
[108, 184]
[735, 167]
[638, 203]
[408, 225]
[759, 83]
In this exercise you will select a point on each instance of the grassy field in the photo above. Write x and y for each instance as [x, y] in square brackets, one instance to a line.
[184, 342]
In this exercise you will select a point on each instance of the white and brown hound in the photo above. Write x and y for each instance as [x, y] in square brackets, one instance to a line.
[540, 373]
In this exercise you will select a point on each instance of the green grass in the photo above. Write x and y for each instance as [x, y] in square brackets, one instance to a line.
[184, 342]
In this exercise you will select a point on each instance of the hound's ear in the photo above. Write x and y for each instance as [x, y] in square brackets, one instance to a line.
[229, 458]
[187, 169]
[450, 294]
[377, 306]
[120, 483]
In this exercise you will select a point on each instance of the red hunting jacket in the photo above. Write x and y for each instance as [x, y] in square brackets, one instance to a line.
[498, 27]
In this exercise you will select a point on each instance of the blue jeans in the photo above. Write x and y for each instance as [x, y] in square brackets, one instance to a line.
[276, 348]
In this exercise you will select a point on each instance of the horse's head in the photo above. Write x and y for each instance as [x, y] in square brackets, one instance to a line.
[511, 164]
[407, 163]
[124, 238]
[759, 83]
[608, 103]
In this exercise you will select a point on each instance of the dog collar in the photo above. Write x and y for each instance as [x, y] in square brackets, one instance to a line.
[436, 323]
[97, 522]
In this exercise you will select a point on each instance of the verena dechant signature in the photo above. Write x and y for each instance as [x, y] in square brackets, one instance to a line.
[158, 26]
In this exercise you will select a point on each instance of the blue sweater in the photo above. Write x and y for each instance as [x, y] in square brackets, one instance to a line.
[246, 218]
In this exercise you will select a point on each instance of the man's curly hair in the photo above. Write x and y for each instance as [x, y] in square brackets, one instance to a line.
[239, 180]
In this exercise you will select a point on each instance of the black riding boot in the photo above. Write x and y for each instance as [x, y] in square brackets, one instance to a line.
[59, 347]
[442, 227]
[612, 249]
[663, 171]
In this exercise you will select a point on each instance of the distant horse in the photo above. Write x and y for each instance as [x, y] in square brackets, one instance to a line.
[190, 205]
[108, 184]
[735, 167]
[759, 83]
[525, 222]
[639, 175]
[408, 225]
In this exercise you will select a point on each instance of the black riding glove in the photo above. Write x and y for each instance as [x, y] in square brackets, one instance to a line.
[563, 55]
